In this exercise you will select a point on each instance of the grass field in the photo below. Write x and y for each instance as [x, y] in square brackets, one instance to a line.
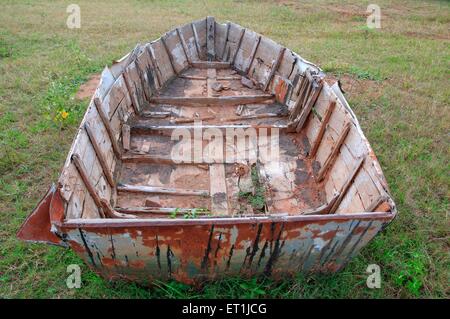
[396, 79]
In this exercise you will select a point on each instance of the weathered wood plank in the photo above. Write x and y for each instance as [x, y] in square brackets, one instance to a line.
[157, 210]
[126, 137]
[98, 152]
[275, 67]
[218, 189]
[155, 65]
[76, 160]
[252, 54]
[334, 152]
[219, 100]
[184, 46]
[107, 125]
[197, 41]
[169, 54]
[347, 184]
[211, 65]
[323, 126]
[210, 38]
[225, 41]
[212, 75]
[241, 37]
[298, 123]
[160, 190]
[374, 206]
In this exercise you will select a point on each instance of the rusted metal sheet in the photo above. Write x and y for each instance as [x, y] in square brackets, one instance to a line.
[198, 250]
[37, 227]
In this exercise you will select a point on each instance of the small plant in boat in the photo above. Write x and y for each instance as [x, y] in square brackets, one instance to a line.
[256, 197]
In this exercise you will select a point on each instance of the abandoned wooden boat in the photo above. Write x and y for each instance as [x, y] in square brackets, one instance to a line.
[136, 205]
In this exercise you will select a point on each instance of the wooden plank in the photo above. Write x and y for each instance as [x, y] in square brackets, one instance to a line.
[249, 117]
[193, 77]
[156, 115]
[334, 152]
[324, 209]
[252, 55]
[301, 120]
[160, 190]
[184, 45]
[197, 41]
[108, 128]
[212, 75]
[383, 198]
[98, 152]
[126, 137]
[183, 120]
[219, 100]
[210, 38]
[111, 213]
[347, 184]
[147, 127]
[298, 102]
[218, 189]
[76, 160]
[142, 80]
[274, 68]
[323, 125]
[155, 66]
[226, 40]
[211, 65]
[169, 54]
[241, 37]
[204, 78]
[158, 210]
[134, 99]
[132, 157]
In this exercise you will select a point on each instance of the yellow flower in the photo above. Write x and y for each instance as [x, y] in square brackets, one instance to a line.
[64, 114]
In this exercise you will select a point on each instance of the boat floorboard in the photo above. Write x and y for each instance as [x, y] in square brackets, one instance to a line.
[235, 186]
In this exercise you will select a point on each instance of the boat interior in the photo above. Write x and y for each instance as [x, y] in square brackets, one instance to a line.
[215, 120]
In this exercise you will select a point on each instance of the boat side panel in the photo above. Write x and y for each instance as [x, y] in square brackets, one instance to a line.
[196, 253]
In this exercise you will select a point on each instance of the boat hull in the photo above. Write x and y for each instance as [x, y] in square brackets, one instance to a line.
[193, 251]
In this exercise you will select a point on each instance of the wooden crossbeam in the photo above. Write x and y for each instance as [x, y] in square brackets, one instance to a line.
[160, 190]
[211, 65]
[219, 100]
[158, 210]
[204, 78]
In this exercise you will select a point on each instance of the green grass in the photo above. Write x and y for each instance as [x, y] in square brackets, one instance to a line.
[396, 80]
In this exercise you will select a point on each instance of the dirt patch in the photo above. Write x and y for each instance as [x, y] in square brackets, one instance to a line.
[88, 88]
[351, 85]
[428, 36]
